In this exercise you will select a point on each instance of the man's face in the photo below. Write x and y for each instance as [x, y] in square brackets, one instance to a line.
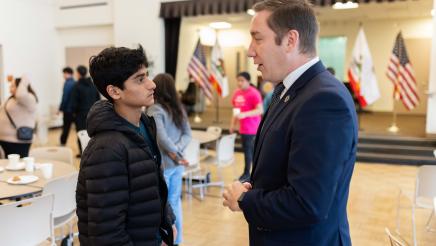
[242, 83]
[138, 90]
[269, 57]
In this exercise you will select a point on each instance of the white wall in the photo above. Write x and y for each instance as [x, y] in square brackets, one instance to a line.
[74, 13]
[29, 42]
[137, 22]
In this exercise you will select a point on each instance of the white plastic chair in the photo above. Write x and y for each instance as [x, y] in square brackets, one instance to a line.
[215, 130]
[225, 156]
[83, 139]
[63, 154]
[425, 191]
[192, 155]
[27, 222]
[393, 240]
[64, 208]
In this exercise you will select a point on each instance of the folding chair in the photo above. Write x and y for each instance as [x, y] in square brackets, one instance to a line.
[225, 156]
[393, 240]
[425, 191]
[64, 208]
[27, 222]
[83, 139]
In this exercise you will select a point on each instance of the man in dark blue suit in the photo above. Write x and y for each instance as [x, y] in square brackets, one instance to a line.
[305, 147]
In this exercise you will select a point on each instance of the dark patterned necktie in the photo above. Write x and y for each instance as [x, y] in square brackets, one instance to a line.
[276, 94]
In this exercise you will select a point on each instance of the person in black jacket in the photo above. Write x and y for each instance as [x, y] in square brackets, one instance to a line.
[83, 96]
[121, 193]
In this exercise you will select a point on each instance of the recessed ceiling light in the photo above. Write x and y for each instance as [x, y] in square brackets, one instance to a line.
[220, 25]
[347, 5]
[251, 11]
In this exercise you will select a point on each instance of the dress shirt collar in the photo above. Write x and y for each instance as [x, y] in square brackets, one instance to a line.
[294, 75]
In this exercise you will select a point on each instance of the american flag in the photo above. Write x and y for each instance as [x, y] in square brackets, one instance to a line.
[197, 69]
[400, 72]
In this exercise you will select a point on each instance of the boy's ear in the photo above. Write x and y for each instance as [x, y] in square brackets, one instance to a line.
[113, 91]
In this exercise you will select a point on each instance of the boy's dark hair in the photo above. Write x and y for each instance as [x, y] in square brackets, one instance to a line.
[82, 70]
[113, 66]
[245, 75]
[68, 70]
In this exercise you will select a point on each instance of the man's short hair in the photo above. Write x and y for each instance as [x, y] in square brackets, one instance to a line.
[82, 71]
[292, 15]
[67, 70]
[245, 75]
[113, 66]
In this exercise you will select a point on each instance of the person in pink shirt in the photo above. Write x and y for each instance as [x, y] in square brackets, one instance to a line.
[248, 104]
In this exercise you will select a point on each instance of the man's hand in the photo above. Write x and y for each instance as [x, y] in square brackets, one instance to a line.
[232, 194]
[247, 185]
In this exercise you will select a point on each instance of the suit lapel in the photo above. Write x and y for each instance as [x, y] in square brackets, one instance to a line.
[285, 101]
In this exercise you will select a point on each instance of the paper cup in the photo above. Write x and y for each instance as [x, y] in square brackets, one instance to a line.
[30, 163]
[13, 159]
[47, 170]
[236, 111]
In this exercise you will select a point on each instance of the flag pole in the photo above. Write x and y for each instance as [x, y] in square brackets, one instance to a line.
[217, 110]
[394, 128]
[217, 101]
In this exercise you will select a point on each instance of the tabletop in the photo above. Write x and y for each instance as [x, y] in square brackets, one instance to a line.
[8, 191]
[204, 136]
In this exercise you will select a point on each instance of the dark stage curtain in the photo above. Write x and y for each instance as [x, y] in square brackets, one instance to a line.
[172, 31]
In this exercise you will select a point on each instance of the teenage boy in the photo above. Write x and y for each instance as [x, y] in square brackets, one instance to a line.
[121, 194]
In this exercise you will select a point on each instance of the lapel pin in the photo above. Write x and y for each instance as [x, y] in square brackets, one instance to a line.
[287, 98]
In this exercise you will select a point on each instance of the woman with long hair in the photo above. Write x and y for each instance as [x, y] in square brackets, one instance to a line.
[173, 135]
[19, 110]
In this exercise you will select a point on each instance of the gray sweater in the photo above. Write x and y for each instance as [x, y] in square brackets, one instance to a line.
[169, 137]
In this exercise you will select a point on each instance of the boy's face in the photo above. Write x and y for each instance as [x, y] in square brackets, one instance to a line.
[138, 90]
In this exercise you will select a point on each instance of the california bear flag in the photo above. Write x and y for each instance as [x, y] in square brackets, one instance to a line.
[361, 72]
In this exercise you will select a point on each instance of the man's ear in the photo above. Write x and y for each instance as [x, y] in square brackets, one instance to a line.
[292, 40]
[113, 91]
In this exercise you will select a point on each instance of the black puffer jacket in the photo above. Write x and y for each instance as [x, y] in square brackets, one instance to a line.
[121, 193]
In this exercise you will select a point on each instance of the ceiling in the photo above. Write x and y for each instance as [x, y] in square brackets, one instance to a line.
[368, 11]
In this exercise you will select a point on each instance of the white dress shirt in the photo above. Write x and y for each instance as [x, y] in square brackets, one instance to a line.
[294, 75]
